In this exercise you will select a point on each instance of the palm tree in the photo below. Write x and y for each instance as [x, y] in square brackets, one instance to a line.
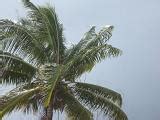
[34, 57]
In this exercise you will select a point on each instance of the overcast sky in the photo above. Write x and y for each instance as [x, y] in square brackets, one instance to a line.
[135, 74]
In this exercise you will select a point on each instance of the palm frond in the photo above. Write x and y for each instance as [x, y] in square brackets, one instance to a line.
[90, 39]
[17, 99]
[19, 40]
[87, 58]
[52, 84]
[90, 35]
[48, 29]
[74, 109]
[101, 91]
[14, 69]
[95, 102]
[92, 48]
[55, 29]
[35, 102]
[101, 37]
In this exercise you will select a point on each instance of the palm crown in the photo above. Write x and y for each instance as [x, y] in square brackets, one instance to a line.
[34, 56]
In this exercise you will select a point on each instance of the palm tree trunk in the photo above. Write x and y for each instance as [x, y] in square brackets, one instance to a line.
[49, 111]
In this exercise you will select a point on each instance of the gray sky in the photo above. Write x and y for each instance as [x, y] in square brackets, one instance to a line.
[136, 73]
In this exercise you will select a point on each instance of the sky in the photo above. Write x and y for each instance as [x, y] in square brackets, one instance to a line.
[135, 74]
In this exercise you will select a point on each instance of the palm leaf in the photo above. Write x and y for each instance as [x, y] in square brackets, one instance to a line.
[92, 48]
[14, 69]
[48, 29]
[52, 84]
[90, 39]
[87, 58]
[74, 109]
[55, 29]
[19, 40]
[95, 102]
[101, 91]
[90, 35]
[16, 100]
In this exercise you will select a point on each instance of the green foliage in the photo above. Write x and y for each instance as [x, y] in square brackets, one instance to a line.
[52, 86]
[14, 69]
[34, 56]
[74, 109]
[101, 91]
[19, 98]
[94, 101]
[93, 48]
[19, 40]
